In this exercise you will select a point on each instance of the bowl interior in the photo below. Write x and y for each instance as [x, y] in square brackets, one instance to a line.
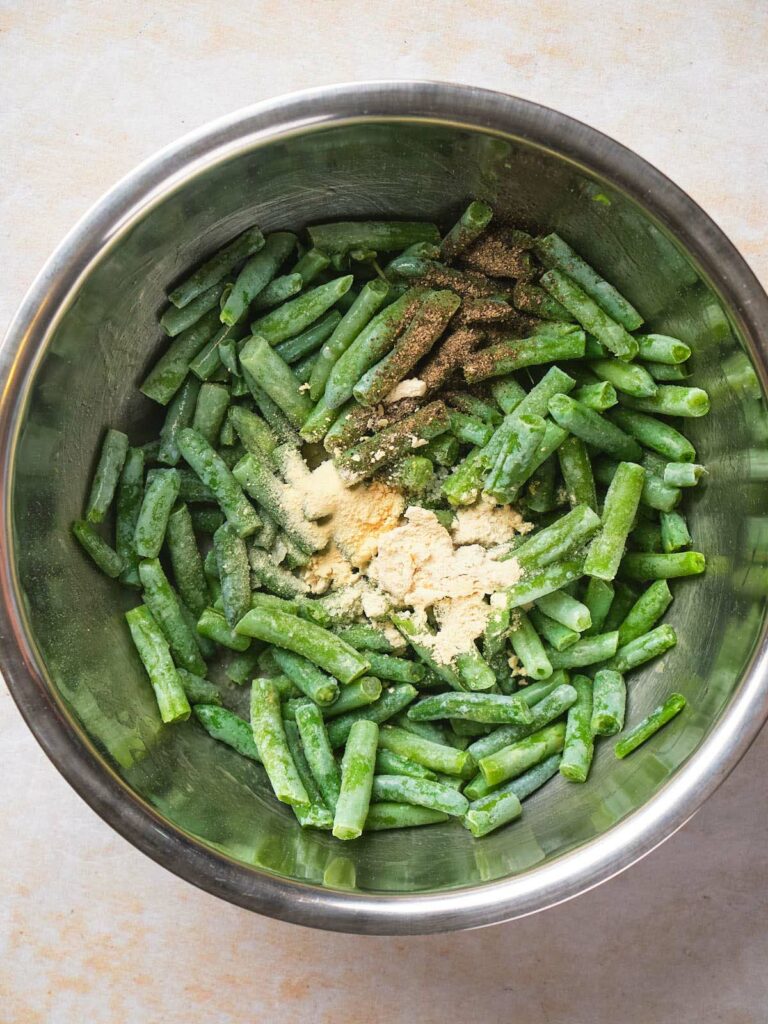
[108, 336]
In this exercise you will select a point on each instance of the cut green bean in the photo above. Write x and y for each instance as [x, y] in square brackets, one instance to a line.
[310, 264]
[379, 236]
[554, 252]
[549, 708]
[641, 566]
[388, 763]
[396, 670]
[544, 581]
[660, 348]
[578, 747]
[276, 498]
[393, 443]
[643, 731]
[391, 701]
[298, 314]
[466, 230]
[674, 532]
[588, 651]
[645, 612]
[271, 742]
[156, 657]
[563, 342]
[387, 815]
[301, 345]
[213, 473]
[278, 290]
[186, 561]
[234, 573]
[318, 645]
[419, 792]
[113, 452]
[516, 758]
[256, 275]
[227, 727]
[315, 814]
[653, 434]
[164, 605]
[530, 298]
[629, 378]
[490, 708]
[105, 557]
[609, 698]
[643, 648]
[274, 375]
[273, 577]
[592, 428]
[130, 494]
[576, 469]
[607, 549]
[318, 752]
[318, 686]
[591, 317]
[558, 636]
[528, 647]
[217, 267]
[210, 410]
[516, 459]
[665, 372]
[180, 414]
[436, 756]
[175, 320]
[212, 625]
[598, 396]
[683, 474]
[169, 372]
[672, 400]
[566, 610]
[160, 494]
[357, 769]
[598, 598]
[365, 637]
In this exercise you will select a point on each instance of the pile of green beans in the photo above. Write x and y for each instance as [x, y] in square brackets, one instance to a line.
[536, 386]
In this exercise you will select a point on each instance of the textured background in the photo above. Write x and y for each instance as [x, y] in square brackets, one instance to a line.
[89, 928]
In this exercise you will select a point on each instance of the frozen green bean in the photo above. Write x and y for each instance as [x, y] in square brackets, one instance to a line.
[156, 657]
[271, 742]
[105, 557]
[578, 747]
[113, 452]
[643, 731]
[609, 698]
[357, 770]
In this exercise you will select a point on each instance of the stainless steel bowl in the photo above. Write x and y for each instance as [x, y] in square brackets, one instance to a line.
[86, 333]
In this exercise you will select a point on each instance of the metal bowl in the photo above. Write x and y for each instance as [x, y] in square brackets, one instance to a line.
[87, 332]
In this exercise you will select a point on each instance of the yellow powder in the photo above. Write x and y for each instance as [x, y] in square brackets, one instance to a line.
[488, 524]
[327, 570]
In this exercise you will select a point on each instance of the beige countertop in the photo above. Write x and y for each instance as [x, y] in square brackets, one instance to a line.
[90, 929]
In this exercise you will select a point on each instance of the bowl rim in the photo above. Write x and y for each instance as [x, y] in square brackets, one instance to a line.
[60, 735]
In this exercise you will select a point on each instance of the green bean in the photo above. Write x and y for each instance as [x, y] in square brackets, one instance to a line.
[550, 707]
[429, 321]
[592, 428]
[217, 267]
[598, 396]
[579, 747]
[197, 689]
[277, 499]
[515, 462]
[646, 537]
[466, 230]
[242, 667]
[179, 415]
[186, 561]
[318, 686]
[273, 577]
[432, 731]
[318, 752]
[210, 410]
[598, 598]
[397, 670]
[436, 756]
[419, 792]
[214, 626]
[609, 698]
[364, 699]
[164, 605]
[643, 731]
[562, 342]
[298, 314]
[683, 474]
[655, 493]
[576, 469]
[629, 378]
[388, 763]
[491, 708]
[558, 636]
[660, 348]
[643, 648]
[674, 532]
[365, 637]
[516, 758]
[357, 768]
[672, 400]
[130, 493]
[226, 727]
[653, 434]
[607, 549]
[529, 298]
[449, 357]
[566, 610]
[381, 236]
[315, 814]
[278, 290]
[623, 599]
[274, 375]
[234, 573]
[591, 317]
[272, 413]
[312, 263]
[557, 540]
[318, 645]
[213, 472]
[587, 651]
[528, 647]
[175, 320]
[113, 452]
[386, 815]
[192, 489]
[256, 275]
[161, 491]
[469, 429]
[443, 450]
[393, 442]
[638, 565]
[309, 341]
[256, 436]
[666, 372]
[302, 370]
[105, 557]
[169, 372]
[554, 252]
[156, 658]
[544, 581]
[271, 742]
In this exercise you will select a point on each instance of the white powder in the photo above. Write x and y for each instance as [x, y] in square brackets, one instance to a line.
[488, 524]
